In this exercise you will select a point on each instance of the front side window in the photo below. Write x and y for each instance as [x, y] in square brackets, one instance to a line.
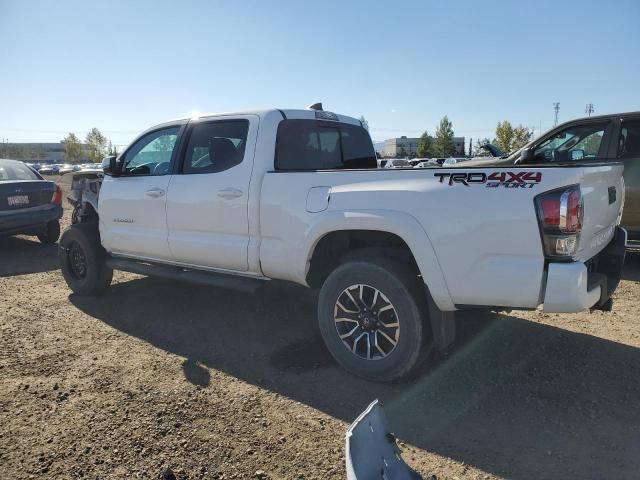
[629, 141]
[215, 146]
[323, 145]
[151, 155]
[577, 143]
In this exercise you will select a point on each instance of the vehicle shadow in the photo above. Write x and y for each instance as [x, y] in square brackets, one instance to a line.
[631, 269]
[24, 255]
[515, 398]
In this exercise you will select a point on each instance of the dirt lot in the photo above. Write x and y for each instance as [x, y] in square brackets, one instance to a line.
[218, 384]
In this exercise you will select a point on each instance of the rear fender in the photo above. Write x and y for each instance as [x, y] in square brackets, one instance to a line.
[401, 224]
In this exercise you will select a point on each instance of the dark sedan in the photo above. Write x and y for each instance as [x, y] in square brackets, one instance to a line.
[29, 205]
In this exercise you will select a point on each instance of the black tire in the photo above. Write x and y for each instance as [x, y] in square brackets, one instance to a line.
[400, 288]
[83, 260]
[51, 233]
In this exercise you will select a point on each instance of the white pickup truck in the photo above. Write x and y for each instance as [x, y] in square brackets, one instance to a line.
[237, 199]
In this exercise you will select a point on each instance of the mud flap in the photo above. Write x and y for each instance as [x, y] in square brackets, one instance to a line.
[371, 451]
[443, 325]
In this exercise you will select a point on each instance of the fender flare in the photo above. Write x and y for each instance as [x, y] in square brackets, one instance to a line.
[398, 223]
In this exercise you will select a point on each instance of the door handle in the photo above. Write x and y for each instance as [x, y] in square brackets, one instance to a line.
[230, 193]
[155, 193]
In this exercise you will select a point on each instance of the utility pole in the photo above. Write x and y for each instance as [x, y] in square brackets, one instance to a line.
[556, 108]
[589, 109]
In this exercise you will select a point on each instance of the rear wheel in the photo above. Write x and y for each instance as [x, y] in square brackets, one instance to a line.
[83, 260]
[370, 317]
[51, 232]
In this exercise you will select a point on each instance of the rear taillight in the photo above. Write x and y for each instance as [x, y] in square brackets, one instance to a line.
[560, 216]
[56, 199]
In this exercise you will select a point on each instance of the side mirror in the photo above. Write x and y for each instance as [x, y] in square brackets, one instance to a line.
[109, 165]
[526, 156]
[577, 154]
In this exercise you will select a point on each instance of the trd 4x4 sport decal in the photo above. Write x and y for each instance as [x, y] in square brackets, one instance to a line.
[495, 179]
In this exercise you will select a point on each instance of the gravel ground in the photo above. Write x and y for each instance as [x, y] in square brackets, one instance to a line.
[216, 384]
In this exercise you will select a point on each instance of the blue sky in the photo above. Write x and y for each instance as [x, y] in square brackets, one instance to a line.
[123, 66]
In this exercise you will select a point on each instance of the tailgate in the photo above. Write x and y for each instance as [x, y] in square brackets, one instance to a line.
[602, 190]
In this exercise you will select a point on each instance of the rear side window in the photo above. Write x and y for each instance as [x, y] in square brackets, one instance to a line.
[215, 146]
[575, 143]
[323, 145]
[629, 141]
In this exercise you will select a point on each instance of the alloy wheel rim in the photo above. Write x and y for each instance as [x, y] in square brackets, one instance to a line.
[77, 260]
[366, 322]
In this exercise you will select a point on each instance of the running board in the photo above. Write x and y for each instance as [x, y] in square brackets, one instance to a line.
[212, 279]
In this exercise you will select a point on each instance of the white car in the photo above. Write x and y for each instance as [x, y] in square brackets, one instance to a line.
[427, 163]
[237, 199]
[398, 163]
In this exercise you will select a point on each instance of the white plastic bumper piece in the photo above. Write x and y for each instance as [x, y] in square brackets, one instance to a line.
[566, 290]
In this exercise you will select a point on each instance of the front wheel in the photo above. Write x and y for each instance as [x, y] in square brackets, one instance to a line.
[83, 260]
[369, 313]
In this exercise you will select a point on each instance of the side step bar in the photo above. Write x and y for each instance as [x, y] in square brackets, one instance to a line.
[213, 279]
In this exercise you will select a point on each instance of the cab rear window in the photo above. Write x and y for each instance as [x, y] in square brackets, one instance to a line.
[323, 145]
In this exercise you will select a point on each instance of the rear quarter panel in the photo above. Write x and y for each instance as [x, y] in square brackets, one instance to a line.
[474, 245]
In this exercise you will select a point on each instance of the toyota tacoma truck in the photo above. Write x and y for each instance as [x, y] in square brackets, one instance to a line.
[238, 199]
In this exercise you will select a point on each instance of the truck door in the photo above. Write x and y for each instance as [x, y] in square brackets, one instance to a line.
[131, 206]
[629, 152]
[207, 203]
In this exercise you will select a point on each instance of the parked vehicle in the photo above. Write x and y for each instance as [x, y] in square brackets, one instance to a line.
[454, 161]
[49, 170]
[220, 201]
[29, 205]
[68, 168]
[397, 163]
[427, 163]
[97, 167]
[607, 139]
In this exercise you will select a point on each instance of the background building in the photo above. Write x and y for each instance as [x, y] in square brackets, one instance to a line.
[408, 147]
[37, 152]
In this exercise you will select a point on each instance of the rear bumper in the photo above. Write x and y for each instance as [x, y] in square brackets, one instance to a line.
[17, 222]
[577, 286]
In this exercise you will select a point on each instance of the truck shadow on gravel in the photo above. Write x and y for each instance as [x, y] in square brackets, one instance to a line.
[26, 255]
[515, 398]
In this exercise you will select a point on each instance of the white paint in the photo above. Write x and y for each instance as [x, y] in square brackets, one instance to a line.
[474, 245]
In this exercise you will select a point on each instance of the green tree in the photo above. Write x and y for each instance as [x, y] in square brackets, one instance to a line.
[72, 148]
[364, 122]
[521, 136]
[96, 145]
[424, 145]
[470, 147]
[443, 142]
[504, 136]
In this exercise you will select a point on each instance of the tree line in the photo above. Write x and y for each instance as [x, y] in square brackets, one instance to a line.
[97, 146]
[507, 137]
